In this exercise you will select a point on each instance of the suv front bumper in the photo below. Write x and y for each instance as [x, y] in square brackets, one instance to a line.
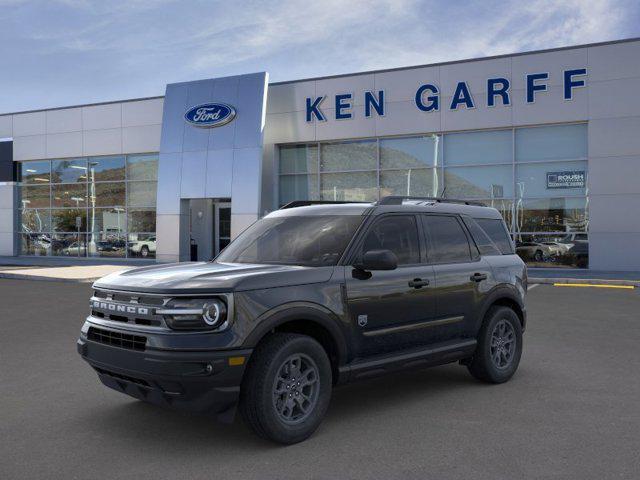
[202, 381]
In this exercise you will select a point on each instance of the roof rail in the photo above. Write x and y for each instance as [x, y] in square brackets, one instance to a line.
[306, 203]
[399, 199]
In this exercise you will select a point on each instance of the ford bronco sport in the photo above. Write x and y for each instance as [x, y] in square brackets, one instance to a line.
[311, 296]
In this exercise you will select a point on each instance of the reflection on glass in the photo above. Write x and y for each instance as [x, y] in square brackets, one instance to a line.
[68, 245]
[34, 172]
[105, 169]
[552, 215]
[107, 220]
[360, 155]
[106, 244]
[34, 196]
[69, 171]
[64, 220]
[35, 220]
[355, 186]
[504, 206]
[411, 152]
[474, 148]
[479, 182]
[142, 245]
[298, 159]
[142, 167]
[142, 220]
[38, 244]
[298, 187]
[554, 250]
[108, 194]
[548, 179]
[142, 194]
[558, 142]
[422, 182]
[69, 195]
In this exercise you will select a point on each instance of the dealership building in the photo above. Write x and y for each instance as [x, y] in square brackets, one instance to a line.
[550, 138]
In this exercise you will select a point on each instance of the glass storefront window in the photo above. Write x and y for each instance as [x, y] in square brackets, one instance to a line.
[35, 196]
[37, 172]
[108, 194]
[346, 156]
[143, 220]
[554, 250]
[141, 245]
[557, 142]
[35, 220]
[69, 195]
[107, 169]
[411, 152]
[354, 186]
[479, 182]
[69, 245]
[298, 159]
[69, 171]
[478, 148]
[418, 182]
[106, 244]
[37, 244]
[141, 194]
[108, 220]
[296, 187]
[551, 179]
[142, 167]
[64, 220]
[552, 215]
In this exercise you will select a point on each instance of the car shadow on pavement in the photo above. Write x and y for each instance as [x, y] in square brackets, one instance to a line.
[135, 421]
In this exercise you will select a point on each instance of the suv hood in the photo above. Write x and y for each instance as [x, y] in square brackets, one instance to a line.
[205, 277]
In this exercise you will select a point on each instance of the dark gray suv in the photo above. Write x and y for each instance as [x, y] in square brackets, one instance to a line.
[311, 296]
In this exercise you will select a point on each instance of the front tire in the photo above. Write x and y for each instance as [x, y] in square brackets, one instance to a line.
[499, 346]
[287, 388]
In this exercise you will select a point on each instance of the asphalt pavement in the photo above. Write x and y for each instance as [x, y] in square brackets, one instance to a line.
[571, 412]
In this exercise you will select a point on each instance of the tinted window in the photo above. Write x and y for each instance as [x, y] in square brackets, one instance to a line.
[482, 240]
[398, 234]
[447, 241]
[496, 231]
[310, 241]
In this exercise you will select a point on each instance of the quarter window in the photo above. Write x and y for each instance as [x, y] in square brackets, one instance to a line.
[397, 233]
[447, 241]
[496, 231]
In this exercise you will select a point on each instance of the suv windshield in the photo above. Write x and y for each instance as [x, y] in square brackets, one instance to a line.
[313, 241]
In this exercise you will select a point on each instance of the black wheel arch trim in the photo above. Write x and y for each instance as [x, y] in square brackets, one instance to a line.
[300, 311]
[502, 292]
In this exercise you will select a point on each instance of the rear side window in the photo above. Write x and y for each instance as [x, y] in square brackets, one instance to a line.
[447, 241]
[485, 245]
[494, 227]
[396, 233]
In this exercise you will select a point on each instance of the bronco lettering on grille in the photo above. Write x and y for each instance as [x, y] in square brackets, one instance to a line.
[119, 308]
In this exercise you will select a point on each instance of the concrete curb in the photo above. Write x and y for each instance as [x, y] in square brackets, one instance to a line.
[18, 276]
[588, 281]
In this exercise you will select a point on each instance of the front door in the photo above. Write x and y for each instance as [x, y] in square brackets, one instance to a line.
[390, 310]
[222, 230]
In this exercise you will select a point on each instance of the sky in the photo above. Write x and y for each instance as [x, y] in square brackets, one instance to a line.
[69, 52]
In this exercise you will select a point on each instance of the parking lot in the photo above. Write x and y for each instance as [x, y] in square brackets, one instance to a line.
[571, 411]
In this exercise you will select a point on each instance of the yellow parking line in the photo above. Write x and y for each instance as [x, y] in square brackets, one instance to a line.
[592, 285]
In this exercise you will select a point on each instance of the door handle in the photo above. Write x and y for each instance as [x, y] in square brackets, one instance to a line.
[478, 277]
[418, 283]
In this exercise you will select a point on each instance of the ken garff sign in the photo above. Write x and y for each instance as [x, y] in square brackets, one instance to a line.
[427, 96]
[567, 179]
[210, 115]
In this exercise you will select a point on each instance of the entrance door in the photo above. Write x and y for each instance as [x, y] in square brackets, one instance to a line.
[222, 230]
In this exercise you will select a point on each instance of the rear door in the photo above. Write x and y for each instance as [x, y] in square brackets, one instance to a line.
[389, 310]
[462, 277]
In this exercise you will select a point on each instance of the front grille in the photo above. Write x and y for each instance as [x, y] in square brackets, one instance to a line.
[119, 376]
[128, 308]
[117, 339]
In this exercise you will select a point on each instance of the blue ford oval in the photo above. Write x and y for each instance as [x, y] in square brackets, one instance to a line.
[210, 115]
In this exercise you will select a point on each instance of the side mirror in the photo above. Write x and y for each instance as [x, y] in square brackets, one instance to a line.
[378, 260]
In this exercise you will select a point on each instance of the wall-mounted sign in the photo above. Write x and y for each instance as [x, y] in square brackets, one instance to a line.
[428, 98]
[568, 179]
[210, 115]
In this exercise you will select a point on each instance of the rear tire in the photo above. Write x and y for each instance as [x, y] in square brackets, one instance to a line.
[144, 251]
[274, 403]
[499, 346]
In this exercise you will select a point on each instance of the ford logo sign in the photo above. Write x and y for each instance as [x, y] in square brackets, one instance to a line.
[210, 115]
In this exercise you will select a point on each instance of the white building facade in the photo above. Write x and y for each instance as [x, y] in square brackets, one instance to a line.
[550, 138]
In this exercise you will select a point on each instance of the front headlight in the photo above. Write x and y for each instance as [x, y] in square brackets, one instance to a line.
[195, 314]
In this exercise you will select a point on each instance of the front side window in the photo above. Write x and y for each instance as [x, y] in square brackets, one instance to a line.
[447, 241]
[312, 241]
[397, 233]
